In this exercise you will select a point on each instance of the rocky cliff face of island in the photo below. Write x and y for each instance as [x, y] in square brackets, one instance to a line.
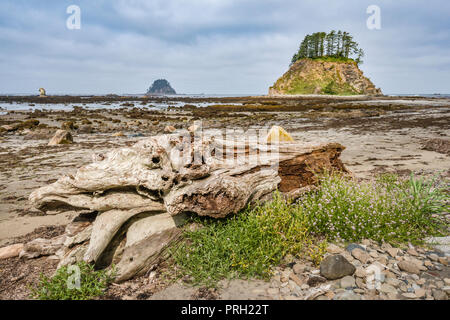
[160, 87]
[311, 76]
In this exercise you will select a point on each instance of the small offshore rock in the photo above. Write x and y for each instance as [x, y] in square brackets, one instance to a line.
[335, 267]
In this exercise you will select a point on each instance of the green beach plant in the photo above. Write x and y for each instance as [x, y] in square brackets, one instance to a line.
[389, 209]
[251, 243]
[92, 283]
[246, 245]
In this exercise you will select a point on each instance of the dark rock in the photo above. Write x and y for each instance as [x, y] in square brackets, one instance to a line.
[160, 87]
[134, 135]
[353, 246]
[335, 267]
[315, 280]
[85, 129]
[68, 125]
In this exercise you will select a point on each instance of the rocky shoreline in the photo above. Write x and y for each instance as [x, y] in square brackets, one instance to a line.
[364, 271]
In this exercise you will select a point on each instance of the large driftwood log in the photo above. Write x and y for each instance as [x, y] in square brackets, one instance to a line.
[142, 193]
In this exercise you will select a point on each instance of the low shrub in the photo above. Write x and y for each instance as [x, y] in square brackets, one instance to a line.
[246, 245]
[92, 284]
[251, 243]
[389, 209]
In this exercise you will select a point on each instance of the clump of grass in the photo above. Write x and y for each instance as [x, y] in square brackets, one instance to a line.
[389, 209]
[92, 284]
[334, 59]
[246, 245]
[251, 243]
[329, 88]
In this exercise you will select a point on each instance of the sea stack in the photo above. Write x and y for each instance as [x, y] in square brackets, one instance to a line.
[315, 76]
[160, 87]
[328, 64]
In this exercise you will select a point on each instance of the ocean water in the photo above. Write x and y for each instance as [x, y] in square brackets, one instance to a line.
[434, 95]
[153, 105]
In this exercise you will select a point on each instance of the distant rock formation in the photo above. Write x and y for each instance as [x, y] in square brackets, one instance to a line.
[316, 76]
[160, 87]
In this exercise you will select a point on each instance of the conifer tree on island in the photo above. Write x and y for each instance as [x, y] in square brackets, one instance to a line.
[326, 63]
[339, 45]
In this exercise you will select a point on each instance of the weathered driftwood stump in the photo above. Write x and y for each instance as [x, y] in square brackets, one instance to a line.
[132, 200]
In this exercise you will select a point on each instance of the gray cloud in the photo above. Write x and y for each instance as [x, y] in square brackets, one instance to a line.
[212, 46]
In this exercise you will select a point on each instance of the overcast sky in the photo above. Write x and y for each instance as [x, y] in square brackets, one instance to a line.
[212, 46]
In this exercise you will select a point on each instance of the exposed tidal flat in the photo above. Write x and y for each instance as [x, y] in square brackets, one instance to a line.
[381, 134]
